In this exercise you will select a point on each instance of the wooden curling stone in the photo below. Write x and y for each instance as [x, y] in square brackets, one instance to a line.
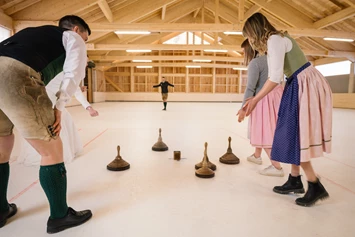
[118, 164]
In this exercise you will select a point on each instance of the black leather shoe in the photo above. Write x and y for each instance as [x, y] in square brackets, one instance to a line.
[293, 185]
[73, 218]
[315, 192]
[9, 213]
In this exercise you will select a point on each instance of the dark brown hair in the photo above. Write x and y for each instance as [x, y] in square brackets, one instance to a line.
[249, 52]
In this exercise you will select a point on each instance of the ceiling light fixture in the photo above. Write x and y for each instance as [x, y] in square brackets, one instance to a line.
[118, 32]
[138, 50]
[240, 68]
[202, 60]
[193, 66]
[216, 50]
[141, 61]
[144, 66]
[339, 39]
[233, 33]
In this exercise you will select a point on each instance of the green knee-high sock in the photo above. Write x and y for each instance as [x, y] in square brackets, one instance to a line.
[4, 180]
[53, 180]
[165, 103]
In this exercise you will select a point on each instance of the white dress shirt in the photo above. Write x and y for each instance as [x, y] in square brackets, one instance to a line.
[54, 86]
[73, 68]
[277, 47]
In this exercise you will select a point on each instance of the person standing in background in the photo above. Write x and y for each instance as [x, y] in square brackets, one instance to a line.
[164, 90]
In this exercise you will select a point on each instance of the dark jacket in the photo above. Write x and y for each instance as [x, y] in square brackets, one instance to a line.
[164, 86]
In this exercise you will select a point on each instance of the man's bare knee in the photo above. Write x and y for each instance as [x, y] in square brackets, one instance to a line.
[51, 151]
[6, 145]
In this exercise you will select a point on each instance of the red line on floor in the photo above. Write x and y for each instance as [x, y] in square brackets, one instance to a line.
[95, 137]
[35, 182]
[339, 185]
[23, 191]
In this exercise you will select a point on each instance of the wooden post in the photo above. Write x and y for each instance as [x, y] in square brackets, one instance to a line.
[227, 82]
[240, 81]
[187, 81]
[351, 78]
[214, 79]
[132, 79]
[159, 72]
[90, 90]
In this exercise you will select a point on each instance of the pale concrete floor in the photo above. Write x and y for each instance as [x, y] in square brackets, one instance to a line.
[162, 197]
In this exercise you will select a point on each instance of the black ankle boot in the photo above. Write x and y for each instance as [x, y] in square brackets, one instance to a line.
[6, 215]
[72, 218]
[315, 192]
[293, 185]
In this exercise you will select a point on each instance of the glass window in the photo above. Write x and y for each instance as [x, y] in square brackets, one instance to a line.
[334, 69]
[181, 39]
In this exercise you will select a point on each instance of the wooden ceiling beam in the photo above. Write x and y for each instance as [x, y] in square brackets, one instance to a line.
[286, 13]
[176, 12]
[323, 61]
[94, 47]
[241, 10]
[53, 9]
[254, 9]
[196, 12]
[135, 11]
[207, 65]
[330, 53]
[309, 32]
[183, 27]
[105, 8]
[97, 16]
[224, 12]
[216, 12]
[163, 12]
[166, 58]
[6, 21]
[321, 53]
[334, 18]
[4, 4]
[20, 6]
[140, 9]
[350, 2]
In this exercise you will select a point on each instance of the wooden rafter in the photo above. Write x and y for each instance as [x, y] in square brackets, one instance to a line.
[251, 11]
[6, 21]
[182, 27]
[322, 61]
[105, 8]
[95, 47]
[224, 12]
[53, 9]
[196, 12]
[285, 13]
[334, 18]
[241, 10]
[208, 65]
[350, 2]
[140, 9]
[20, 6]
[163, 12]
[167, 58]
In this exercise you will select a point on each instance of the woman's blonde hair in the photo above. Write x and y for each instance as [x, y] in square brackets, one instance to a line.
[258, 30]
[249, 52]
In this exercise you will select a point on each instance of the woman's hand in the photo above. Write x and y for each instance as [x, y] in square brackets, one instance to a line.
[250, 105]
[57, 124]
[241, 114]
